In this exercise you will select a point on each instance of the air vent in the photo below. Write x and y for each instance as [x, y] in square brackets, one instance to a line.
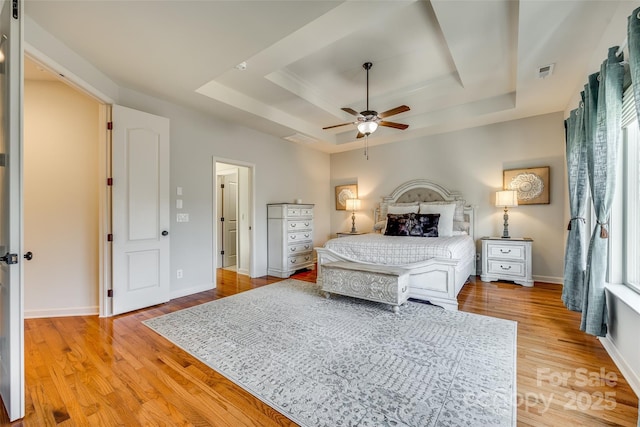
[300, 138]
[545, 71]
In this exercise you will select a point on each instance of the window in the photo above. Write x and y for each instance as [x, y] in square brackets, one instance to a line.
[629, 191]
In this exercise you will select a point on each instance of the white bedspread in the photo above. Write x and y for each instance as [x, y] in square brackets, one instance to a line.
[401, 250]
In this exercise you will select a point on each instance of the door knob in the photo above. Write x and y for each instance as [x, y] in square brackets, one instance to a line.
[165, 233]
[28, 256]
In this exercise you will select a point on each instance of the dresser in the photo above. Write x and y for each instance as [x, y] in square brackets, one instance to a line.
[507, 259]
[290, 238]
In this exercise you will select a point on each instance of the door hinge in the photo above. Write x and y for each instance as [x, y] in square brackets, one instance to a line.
[15, 4]
[110, 293]
[109, 125]
[222, 219]
[221, 185]
[10, 258]
[109, 181]
[221, 252]
[109, 237]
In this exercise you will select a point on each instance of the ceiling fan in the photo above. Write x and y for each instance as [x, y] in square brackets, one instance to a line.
[368, 121]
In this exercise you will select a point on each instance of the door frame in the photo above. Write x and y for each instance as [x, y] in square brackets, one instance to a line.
[104, 168]
[251, 211]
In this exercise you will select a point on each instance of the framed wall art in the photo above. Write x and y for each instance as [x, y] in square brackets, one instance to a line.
[532, 184]
[344, 192]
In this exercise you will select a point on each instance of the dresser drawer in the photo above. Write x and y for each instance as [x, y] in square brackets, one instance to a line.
[504, 268]
[506, 251]
[301, 259]
[303, 224]
[300, 248]
[299, 236]
[297, 211]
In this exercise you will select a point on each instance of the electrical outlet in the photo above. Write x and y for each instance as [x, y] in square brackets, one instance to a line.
[179, 273]
[182, 217]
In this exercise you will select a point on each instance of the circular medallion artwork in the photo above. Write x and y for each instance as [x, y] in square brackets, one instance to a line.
[344, 195]
[528, 185]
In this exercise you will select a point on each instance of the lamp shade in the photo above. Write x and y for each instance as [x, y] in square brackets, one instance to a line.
[367, 127]
[507, 198]
[353, 204]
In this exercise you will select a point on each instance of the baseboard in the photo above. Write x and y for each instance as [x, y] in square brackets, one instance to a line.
[243, 271]
[190, 291]
[549, 279]
[61, 312]
[632, 378]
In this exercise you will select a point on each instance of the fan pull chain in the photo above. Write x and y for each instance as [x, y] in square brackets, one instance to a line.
[366, 146]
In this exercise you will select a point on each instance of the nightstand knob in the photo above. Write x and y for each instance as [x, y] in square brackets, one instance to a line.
[505, 252]
[505, 268]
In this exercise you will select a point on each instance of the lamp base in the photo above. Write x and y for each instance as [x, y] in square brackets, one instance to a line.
[505, 231]
[353, 222]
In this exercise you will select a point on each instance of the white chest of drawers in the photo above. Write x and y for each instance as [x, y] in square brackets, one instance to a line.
[507, 259]
[290, 238]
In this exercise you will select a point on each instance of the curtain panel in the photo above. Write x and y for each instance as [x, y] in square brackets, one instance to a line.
[633, 40]
[575, 260]
[602, 157]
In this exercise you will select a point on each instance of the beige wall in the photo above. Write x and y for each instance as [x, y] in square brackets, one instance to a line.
[60, 200]
[471, 162]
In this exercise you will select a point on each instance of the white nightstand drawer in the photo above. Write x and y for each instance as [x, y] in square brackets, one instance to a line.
[510, 251]
[506, 268]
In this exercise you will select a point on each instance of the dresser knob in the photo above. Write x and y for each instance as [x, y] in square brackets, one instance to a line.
[505, 252]
[505, 268]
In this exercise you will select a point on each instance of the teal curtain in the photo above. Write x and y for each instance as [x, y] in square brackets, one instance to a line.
[602, 156]
[575, 260]
[633, 39]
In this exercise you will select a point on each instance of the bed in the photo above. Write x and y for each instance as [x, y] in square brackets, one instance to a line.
[438, 266]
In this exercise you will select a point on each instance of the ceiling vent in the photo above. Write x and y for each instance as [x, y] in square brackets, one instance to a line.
[300, 138]
[545, 71]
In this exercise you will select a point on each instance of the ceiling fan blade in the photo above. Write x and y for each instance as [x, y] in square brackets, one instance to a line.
[360, 135]
[335, 126]
[393, 125]
[394, 111]
[351, 111]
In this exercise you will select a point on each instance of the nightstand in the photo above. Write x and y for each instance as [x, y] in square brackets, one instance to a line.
[347, 233]
[507, 259]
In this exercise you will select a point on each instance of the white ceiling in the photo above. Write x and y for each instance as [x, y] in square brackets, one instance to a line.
[457, 64]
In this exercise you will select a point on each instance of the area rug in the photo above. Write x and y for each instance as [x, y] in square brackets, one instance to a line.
[348, 362]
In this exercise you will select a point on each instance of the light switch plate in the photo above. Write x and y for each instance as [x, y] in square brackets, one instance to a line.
[179, 191]
[178, 203]
[182, 217]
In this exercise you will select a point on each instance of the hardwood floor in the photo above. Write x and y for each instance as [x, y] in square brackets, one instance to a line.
[90, 371]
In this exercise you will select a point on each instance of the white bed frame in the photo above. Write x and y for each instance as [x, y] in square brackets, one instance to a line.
[437, 280]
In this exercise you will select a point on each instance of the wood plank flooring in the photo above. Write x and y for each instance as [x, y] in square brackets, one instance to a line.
[101, 372]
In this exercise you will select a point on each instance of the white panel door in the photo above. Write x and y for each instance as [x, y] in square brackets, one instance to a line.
[140, 209]
[11, 286]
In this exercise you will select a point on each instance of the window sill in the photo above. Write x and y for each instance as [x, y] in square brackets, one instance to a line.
[626, 295]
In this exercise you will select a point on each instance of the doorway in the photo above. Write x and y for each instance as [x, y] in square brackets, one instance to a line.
[61, 197]
[233, 216]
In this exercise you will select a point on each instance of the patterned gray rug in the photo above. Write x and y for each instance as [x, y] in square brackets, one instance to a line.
[347, 362]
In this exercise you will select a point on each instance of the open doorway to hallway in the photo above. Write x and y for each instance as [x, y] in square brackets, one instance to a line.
[233, 216]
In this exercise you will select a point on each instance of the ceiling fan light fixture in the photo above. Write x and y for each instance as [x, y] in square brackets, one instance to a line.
[367, 128]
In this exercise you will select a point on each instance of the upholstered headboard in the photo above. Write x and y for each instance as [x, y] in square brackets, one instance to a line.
[422, 190]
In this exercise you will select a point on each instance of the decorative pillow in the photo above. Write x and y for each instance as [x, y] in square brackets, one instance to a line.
[446, 211]
[459, 211]
[424, 225]
[397, 225]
